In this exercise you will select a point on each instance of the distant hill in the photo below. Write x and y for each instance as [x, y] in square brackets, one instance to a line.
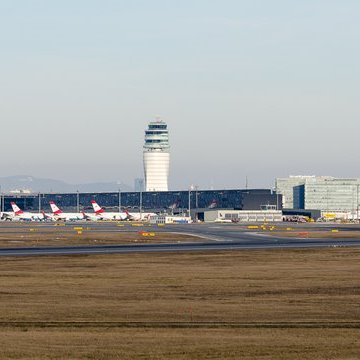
[26, 182]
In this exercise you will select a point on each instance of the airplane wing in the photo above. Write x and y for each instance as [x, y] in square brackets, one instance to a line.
[7, 216]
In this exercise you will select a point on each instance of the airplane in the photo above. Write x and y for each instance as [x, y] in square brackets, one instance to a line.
[175, 205]
[58, 214]
[213, 204]
[90, 217]
[143, 216]
[103, 215]
[19, 215]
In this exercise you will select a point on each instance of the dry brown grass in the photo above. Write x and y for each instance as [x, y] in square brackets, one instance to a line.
[33, 234]
[129, 344]
[282, 288]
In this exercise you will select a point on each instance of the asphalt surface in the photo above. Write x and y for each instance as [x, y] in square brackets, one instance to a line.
[216, 237]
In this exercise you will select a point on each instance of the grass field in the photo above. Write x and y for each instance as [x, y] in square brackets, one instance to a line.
[274, 304]
[25, 234]
[34, 234]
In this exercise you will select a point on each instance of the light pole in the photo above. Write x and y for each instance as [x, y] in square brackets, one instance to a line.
[140, 205]
[39, 203]
[353, 204]
[196, 197]
[154, 203]
[327, 197]
[190, 188]
[77, 201]
[357, 202]
[119, 200]
[189, 201]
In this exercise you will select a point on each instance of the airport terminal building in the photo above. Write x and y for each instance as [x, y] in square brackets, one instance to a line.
[174, 202]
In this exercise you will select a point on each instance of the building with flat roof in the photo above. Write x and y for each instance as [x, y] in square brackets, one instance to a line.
[243, 216]
[328, 195]
[285, 187]
[324, 193]
[174, 202]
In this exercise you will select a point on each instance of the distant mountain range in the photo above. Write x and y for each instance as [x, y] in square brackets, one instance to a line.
[22, 183]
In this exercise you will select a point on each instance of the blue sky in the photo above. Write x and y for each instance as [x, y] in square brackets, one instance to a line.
[249, 88]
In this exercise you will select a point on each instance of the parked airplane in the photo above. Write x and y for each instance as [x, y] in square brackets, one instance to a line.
[175, 205]
[18, 215]
[58, 214]
[90, 216]
[103, 215]
[213, 204]
[139, 216]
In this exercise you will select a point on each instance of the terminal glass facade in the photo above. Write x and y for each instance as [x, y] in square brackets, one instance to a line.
[337, 195]
[327, 194]
[285, 187]
[161, 201]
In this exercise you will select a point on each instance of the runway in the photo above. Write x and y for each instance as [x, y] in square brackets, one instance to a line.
[216, 237]
[123, 249]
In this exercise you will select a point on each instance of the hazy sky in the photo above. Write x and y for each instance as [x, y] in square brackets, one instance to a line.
[248, 88]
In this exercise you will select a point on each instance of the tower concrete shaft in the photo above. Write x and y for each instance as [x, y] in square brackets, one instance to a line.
[156, 156]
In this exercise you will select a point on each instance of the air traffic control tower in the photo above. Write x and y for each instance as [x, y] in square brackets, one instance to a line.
[156, 156]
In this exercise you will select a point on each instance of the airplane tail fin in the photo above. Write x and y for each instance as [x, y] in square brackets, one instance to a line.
[128, 215]
[213, 204]
[16, 209]
[45, 215]
[96, 207]
[54, 208]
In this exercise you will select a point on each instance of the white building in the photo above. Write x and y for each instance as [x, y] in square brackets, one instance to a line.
[243, 216]
[156, 156]
[168, 219]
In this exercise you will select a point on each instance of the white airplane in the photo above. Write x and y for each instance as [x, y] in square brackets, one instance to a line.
[143, 216]
[103, 215]
[58, 214]
[90, 216]
[213, 204]
[175, 205]
[19, 215]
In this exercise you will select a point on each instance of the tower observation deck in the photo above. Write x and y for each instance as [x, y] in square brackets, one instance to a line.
[156, 156]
